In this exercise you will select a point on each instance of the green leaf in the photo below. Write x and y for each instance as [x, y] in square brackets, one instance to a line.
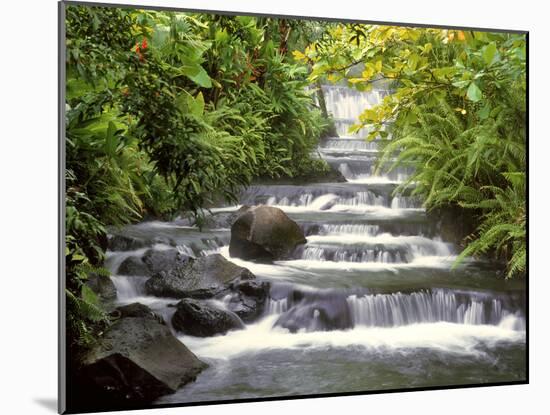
[201, 78]
[484, 112]
[88, 295]
[110, 140]
[489, 53]
[474, 93]
[197, 74]
[411, 117]
[196, 105]
[460, 84]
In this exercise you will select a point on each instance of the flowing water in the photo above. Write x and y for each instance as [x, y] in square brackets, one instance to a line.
[370, 302]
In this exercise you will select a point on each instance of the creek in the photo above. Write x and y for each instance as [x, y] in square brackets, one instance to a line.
[375, 264]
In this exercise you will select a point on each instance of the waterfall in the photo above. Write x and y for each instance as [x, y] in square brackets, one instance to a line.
[351, 254]
[347, 104]
[312, 310]
[128, 288]
[380, 247]
[399, 309]
[354, 156]
[326, 197]
[354, 229]
[276, 306]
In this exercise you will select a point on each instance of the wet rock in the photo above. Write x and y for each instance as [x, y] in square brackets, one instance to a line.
[133, 266]
[203, 277]
[322, 314]
[135, 362]
[453, 223]
[125, 243]
[102, 286]
[163, 260]
[152, 262]
[248, 300]
[164, 240]
[330, 175]
[136, 310]
[264, 234]
[196, 318]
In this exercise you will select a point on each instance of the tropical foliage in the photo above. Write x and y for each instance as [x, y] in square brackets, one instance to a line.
[455, 110]
[171, 112]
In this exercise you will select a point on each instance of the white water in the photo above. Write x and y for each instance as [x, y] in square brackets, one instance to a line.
[349, 229]
[346, 105]
[356, 145]
[373, 211]
[129, 288]
[432, 262]
[114, 259]
[443, 336]
[369, 179]
[276, 306]
[441, 248]
[399, 309]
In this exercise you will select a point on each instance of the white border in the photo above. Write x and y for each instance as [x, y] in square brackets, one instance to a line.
[28, 44]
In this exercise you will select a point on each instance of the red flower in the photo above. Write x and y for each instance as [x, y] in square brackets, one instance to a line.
[138, 50]
[144, 44]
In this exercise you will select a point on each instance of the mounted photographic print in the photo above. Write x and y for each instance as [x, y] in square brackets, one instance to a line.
[272, 207]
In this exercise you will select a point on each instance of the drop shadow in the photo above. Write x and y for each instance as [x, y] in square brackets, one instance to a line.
[48, 403]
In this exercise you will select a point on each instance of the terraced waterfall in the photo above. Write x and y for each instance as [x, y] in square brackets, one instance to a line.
[370, 302]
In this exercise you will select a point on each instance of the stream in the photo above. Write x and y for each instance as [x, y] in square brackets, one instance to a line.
[373, 262]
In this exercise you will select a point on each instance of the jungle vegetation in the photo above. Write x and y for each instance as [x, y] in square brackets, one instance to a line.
[456, 111]
[173, 112]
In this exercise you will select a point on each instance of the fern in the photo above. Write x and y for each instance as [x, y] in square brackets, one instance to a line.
[478, 166]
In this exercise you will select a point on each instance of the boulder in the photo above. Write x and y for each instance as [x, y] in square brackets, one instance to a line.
[135, 362]
[102, 286]
[133, 266]
[203, 277]
[152, 262]
[136, 310]
[164, 240]
[125, 243]
[248, 300]
[264, 233]
[322, 314]
[196, 318]
[163, 260]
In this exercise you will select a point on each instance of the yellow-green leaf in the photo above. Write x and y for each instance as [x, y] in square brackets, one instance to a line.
[474, 93]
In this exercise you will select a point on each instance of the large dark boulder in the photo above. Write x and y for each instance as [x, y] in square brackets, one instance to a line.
[135, 362]
[317, 314]
[196, 318]
[203, 277]
[264, 233]
[102, 285]
[248, 300]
